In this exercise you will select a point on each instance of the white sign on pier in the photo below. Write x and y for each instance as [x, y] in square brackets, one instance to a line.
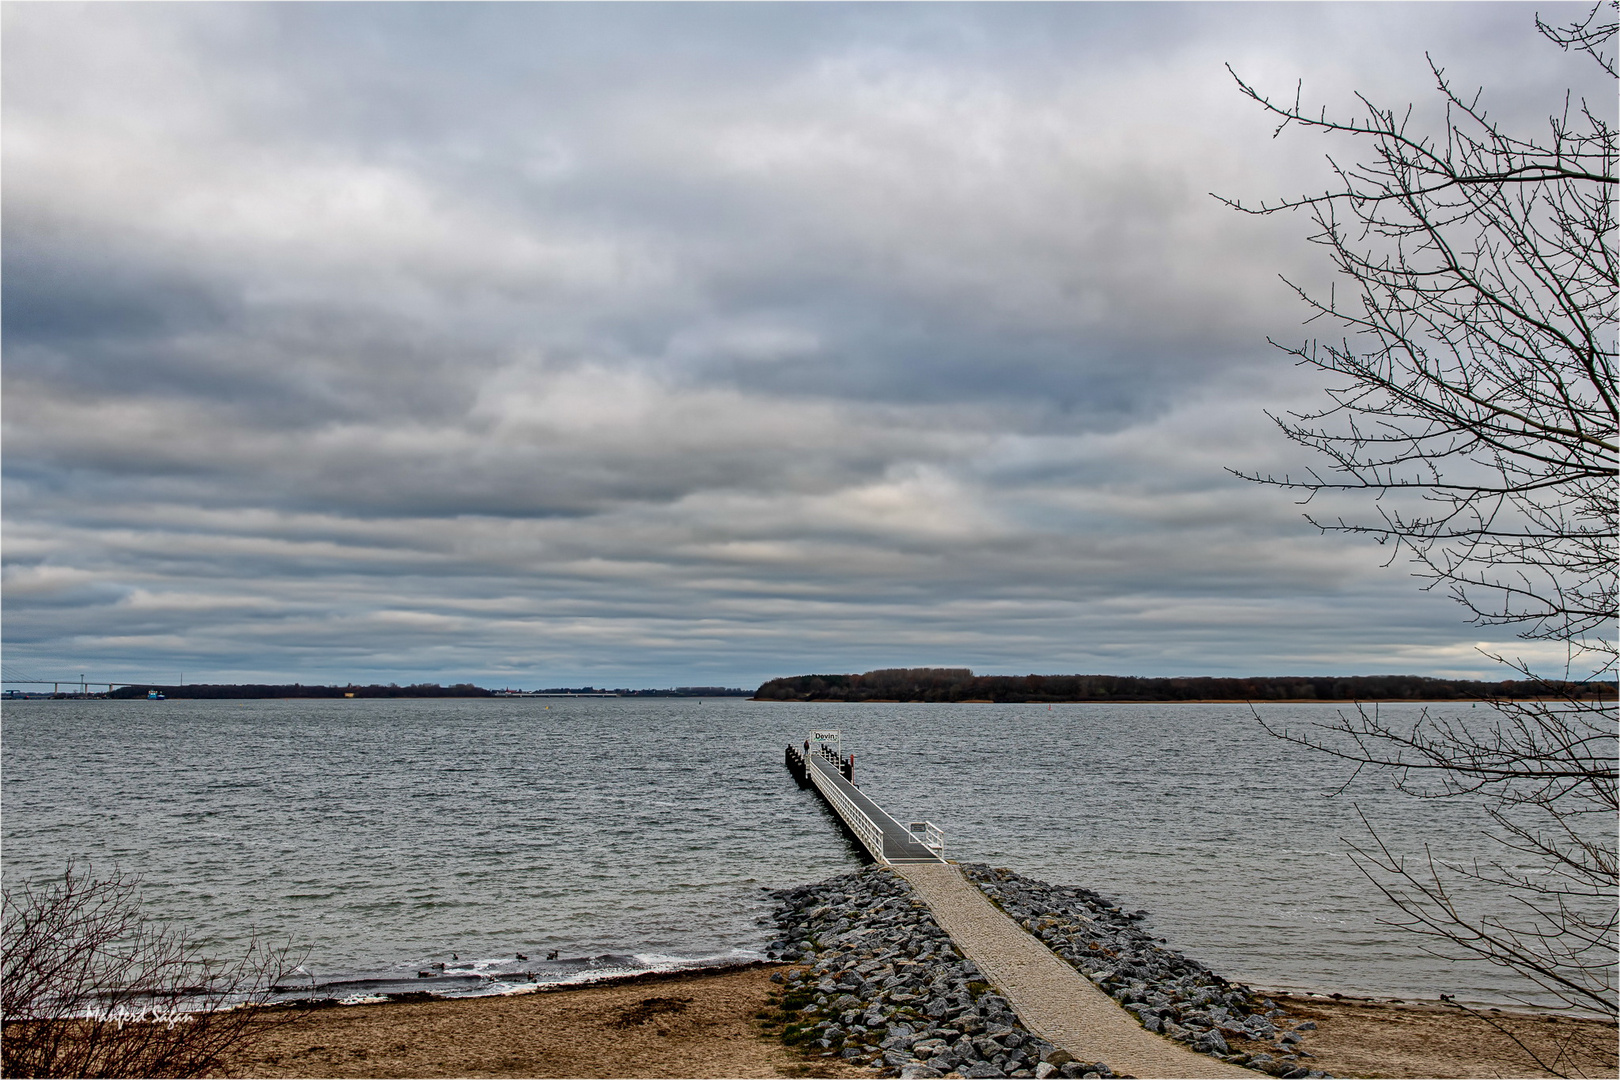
[826, 740]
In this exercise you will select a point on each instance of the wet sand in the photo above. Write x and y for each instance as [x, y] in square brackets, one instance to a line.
[710, 1024]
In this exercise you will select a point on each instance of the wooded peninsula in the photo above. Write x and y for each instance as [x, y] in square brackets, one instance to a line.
[960, 684]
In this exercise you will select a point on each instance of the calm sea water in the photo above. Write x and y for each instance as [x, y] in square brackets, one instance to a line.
[388, 836]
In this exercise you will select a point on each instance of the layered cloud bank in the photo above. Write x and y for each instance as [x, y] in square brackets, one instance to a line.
[644, 344]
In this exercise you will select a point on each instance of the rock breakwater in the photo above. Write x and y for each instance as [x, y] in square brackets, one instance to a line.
[879, 983]
[876, 981]
[1171, 994]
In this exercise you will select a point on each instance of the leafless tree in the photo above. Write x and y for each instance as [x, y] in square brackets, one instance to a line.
[92, 988]
[1472, 397]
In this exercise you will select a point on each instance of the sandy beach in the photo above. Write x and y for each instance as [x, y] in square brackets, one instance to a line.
[1374, 1038]
[714, 1024]
[701, 1024]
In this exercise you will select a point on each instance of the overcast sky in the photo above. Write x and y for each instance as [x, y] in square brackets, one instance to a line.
[685, 344]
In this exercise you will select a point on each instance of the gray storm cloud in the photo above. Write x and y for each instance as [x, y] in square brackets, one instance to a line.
[689, 343]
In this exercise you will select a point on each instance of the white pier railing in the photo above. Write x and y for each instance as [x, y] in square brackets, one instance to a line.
[863, 827]
[928, 835]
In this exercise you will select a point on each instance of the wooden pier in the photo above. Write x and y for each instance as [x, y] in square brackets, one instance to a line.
[824, 768]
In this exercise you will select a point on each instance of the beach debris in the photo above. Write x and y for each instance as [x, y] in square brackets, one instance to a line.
[649, 1009]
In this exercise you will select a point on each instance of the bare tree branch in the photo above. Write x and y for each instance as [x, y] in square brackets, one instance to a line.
[91, 988]
[1479, 397]
[1473, 396]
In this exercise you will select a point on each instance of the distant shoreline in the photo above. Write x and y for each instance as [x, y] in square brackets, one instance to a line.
[296, 691]
[800, 701]
[922, 685]
[745, 696]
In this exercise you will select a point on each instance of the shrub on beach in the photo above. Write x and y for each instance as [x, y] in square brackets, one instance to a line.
[90, 987]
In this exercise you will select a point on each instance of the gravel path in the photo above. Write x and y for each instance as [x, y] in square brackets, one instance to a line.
[1053, 1000]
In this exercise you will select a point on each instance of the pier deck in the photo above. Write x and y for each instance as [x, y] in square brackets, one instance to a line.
[898, 845]
[884, 838]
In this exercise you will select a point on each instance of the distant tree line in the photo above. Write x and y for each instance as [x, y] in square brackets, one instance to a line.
[960, 684]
